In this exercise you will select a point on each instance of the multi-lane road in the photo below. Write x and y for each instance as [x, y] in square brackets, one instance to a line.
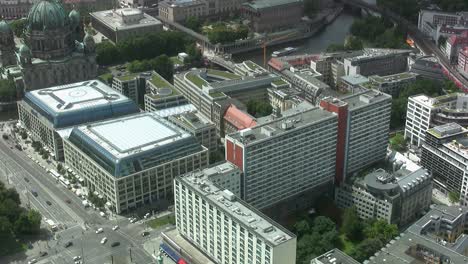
[77, 223]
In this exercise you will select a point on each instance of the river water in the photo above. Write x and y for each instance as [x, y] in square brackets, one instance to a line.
[336, 33]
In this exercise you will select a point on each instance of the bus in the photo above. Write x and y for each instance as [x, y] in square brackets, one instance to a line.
[54, 174]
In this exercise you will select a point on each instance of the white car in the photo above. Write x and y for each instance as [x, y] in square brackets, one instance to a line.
[100, 230]
[115, 228]
[32, 261]
[133, 220]
[75, 258]
[103, 240]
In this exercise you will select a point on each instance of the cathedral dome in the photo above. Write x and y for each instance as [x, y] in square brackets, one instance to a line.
[24, 51]
[74, 17]
[47, 15]
[5, 28]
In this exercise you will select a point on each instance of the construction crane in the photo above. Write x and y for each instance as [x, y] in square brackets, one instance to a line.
[268, 42]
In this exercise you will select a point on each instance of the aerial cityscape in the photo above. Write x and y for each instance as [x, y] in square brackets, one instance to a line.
[234, 131]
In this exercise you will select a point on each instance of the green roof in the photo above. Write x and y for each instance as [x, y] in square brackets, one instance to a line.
[224, 74]
[279, 82]
[127, 77]
[251, 65]
[47, 15]
[195, 79]
[159, 81]
[217, 94]
[261, 4]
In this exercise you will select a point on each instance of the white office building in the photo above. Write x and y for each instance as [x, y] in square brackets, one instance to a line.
[131, 161]
[227, 229]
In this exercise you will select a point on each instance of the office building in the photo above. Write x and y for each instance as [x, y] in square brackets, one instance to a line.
[273, 15]
[437, 237]
[66, 58]
[334, 256]
[391, 84]
[49, 114]
[224, 175]
[213, 91]
[463, 61]
[199, 126]
[398, 195]
[131, 85]
[444, 154]
[427, 67]
[309, 82]
[377, 62]
[363, 127]
[132, 160]
[352, 83]
[424, 112]
[121, 24]
[227, 229]
[433, 22]
[285, 157]
[180, 10]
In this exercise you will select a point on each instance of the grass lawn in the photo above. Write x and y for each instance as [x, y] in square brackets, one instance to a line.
[347, 245]
[176, 60]
[162, 221]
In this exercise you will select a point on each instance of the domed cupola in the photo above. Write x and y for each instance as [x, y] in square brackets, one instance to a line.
[25, 54]
[47, 15]
[6, 35]
[74, 18]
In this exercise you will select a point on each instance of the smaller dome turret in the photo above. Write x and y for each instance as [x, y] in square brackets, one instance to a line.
[24, 51]
[5, 28]
[74, 17]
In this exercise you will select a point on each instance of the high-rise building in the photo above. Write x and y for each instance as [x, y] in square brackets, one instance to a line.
[444, 154]
[227, 229]
[424, 112]
[285, 157]
[397, 196]
[377, 62]
[49, 114]
[132, 160]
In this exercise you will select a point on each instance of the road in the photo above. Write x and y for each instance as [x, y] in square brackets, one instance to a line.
[77, 224]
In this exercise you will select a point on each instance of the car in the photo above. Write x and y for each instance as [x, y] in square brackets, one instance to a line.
[75, 258]
[115, 228]
[32, 261]
[145, 233]
[133, 220]
[43, 253]
[68, 244]
[34, 193]
[48, 203]
[100, 230]
[114, 244]
[26, 179]
[68, 201]
[103, 240]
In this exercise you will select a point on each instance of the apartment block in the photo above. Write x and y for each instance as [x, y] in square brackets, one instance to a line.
[424, 112]
[49, 114]
[398, 195]
[132, 161]
[444, 153]
[160, 94]
[391, 84]
[227, 229]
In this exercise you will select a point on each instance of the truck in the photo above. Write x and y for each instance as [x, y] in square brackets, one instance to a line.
[52, 225]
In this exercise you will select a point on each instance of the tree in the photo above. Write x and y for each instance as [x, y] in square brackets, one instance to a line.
[59, 166]
[193, 23]
[302, 227]
[353, 43]
[366, 248]
[7, 90]
[195, 57]
[454, 197]
[164, 66]
[18, 26]
[398, 142]
[382, 230]
[351, 225]
[259, 108]
[45, 155]
[335, 47]
[107, 53]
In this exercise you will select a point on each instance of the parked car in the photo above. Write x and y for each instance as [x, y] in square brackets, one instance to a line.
[103, 240]
[100, 230]
[42, 253]
[48, 203]
[114, 244]
[68, 244]
[145, 233]
[115, 228]
[32, 261]
[26, 179]
[75, 258]
[34, 193]
[68, 201]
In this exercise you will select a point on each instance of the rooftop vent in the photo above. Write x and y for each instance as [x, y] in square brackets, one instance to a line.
[229, 195]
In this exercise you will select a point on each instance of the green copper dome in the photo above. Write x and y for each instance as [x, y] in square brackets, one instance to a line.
[47, 15]
[4, 27]
[24, 51]
[74, 17]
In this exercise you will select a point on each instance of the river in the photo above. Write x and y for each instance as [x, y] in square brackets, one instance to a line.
[336, 33]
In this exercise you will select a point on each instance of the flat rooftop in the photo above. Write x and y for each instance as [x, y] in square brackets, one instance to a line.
[334, 256]
[355, 79]
[394, 77]
[78, 103]
[244, 214]
[193, 120]
[373, 53]
[262, 4]
[447, 130]
[113, 18]
[297, 118]
[365, 98]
